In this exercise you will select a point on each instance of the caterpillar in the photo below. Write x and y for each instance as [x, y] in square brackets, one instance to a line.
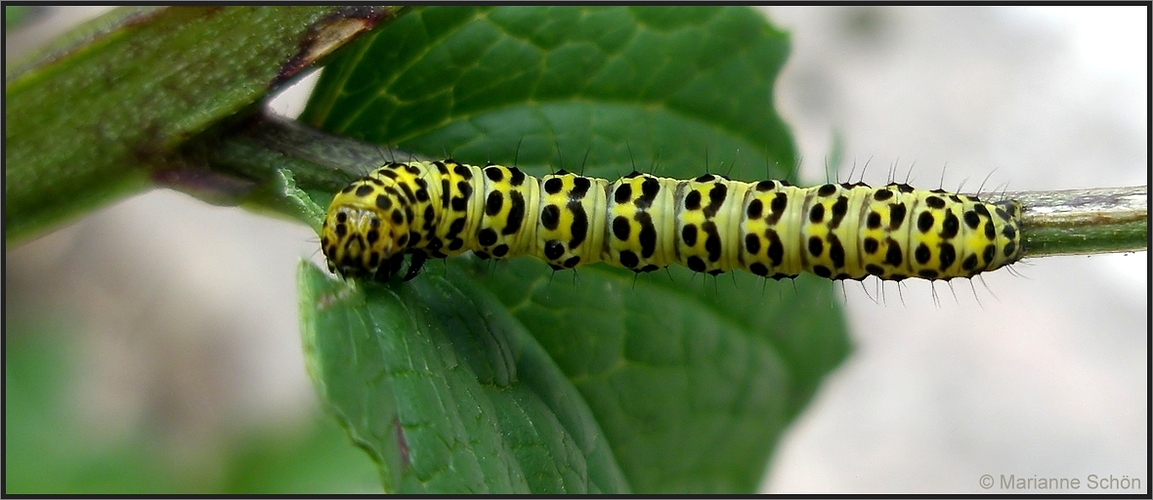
[710, 224]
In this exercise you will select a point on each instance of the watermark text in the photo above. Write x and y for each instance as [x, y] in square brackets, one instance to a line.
[1093, 482]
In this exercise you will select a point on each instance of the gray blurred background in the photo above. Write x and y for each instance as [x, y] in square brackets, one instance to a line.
[1047, 375]
[179, 321]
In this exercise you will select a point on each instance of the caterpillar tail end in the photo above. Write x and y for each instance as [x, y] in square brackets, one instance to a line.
[1007, 217]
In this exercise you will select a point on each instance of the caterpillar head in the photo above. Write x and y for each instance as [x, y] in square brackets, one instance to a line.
[365, 226]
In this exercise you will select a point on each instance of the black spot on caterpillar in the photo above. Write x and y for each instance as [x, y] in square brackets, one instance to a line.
[644, 223]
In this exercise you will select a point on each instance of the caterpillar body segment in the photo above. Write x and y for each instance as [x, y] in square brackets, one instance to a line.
[644, 223]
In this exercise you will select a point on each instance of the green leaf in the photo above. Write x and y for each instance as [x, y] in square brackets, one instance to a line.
[92, 116]
[464, 400]
[691, 378]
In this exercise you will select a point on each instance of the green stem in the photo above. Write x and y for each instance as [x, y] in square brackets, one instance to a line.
[1084, 221]
[1053, 222]
[267, 144]
[92, 117]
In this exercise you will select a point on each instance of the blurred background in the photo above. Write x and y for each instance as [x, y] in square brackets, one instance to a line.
[153, 346]
[1047, 374]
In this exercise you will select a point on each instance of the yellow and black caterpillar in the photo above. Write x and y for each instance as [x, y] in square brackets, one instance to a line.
[642, 222]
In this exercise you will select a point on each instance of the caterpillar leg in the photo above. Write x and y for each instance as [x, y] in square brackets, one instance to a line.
[392, 267]
[389, 268]
[415, 265]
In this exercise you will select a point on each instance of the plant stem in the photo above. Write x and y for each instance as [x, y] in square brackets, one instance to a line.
[269, 143]
[1084, 221]
[93, 116]
[1079, 221]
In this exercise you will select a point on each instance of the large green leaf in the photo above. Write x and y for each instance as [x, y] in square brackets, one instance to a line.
[691, 379]
[464, 401]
